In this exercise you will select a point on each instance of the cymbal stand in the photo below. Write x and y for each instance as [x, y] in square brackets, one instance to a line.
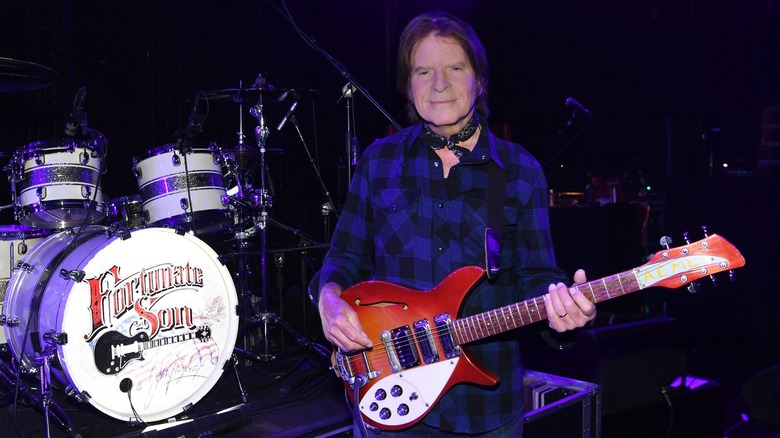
[261, 135]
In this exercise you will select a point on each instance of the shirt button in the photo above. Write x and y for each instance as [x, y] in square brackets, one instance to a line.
[441, 205]
[435, 164]
[441, 249]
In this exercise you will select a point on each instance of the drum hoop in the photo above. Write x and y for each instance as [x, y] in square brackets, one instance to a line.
[193, 148]
[21, 232]
[55, 145]
[82, 235]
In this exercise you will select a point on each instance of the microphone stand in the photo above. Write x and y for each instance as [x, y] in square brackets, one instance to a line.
[351, 85]
[351, 134]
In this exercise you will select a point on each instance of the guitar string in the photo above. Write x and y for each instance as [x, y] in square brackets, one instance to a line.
[597, 294]
[461, 325]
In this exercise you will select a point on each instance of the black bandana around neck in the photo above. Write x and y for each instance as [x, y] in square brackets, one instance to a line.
[436, 141]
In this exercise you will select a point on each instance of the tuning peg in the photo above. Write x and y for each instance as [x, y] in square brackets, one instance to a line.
[732, 276]
[704, 230]
[685, 236]
[666, 241]
[694, 287]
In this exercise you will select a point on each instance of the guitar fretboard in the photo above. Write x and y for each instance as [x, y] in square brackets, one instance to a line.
[492, 322]
[167, 341]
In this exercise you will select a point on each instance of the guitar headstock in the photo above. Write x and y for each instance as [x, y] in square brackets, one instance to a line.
[203, 333]
[675, 267]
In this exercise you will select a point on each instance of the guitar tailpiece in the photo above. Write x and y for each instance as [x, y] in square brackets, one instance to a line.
[359, 381]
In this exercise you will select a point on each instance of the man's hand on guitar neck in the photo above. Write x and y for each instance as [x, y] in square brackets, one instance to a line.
[568, 309]
[340, 322]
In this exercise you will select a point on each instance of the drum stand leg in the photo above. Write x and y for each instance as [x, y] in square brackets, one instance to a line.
[46, 400]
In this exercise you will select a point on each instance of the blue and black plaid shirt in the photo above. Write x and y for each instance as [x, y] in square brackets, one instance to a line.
[405, 223]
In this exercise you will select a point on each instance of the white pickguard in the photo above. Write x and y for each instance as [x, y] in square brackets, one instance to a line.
[407, 394]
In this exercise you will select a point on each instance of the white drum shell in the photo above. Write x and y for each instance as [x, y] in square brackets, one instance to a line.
[58, 182]
[181, 188]
[117, 295]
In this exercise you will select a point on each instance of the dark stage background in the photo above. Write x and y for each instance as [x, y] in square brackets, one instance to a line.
[675, 88]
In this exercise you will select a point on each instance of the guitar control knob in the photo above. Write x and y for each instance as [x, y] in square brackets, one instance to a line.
[396, 391]
[373, 406]
[380, 394]
[385, 414]
[403, 409]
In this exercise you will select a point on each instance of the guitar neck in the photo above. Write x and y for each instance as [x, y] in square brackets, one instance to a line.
[503, 319]
[166, 341]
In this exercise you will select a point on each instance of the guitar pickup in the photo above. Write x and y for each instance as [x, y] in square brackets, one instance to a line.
[403, 345]
[443, 323]
[424, 336]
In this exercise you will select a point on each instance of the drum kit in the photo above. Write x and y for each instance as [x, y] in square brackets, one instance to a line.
[119, 303]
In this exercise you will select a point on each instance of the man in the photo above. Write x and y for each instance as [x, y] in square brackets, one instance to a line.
[418, 209]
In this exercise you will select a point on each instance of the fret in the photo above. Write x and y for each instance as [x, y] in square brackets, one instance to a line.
[621, 284]
[593, 295]
[538, 314]
[606, 288]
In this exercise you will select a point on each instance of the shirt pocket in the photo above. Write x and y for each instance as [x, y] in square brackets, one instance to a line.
[395, 219]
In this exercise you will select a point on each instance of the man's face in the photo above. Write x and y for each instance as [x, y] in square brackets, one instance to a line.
[443, 85]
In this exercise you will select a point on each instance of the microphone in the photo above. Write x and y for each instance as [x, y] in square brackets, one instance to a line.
[77, 116]
[287, 116]
[570, 101]
[126, 385]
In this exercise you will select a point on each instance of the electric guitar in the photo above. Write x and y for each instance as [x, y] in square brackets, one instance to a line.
[418, 355]
[113, 350]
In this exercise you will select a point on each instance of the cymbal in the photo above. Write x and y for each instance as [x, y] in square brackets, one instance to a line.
[242, 95]
[18, 75]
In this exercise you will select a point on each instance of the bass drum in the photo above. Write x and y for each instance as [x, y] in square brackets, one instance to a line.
[141, 327]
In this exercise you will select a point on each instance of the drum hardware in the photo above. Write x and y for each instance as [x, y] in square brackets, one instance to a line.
[50, 406]
[254, 204]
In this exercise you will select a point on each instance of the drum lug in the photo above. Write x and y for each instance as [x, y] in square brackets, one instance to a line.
[84, 157]
[38, 159]
[10, 322]
[123, 233]
[137, 172]
[86, 193]
[175, 160]
[41, 193]
[184, 204]
[74, 274]
[57, 338]
[26, 267]
[81, 397]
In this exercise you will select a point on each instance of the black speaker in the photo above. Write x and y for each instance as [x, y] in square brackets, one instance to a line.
[632, 362]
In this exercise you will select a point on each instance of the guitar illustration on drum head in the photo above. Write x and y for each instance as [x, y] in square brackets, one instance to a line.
[113, 351]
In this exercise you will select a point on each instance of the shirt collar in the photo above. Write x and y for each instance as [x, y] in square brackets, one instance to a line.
[485, 149]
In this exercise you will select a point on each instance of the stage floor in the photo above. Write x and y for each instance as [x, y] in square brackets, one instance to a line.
[295, 394]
